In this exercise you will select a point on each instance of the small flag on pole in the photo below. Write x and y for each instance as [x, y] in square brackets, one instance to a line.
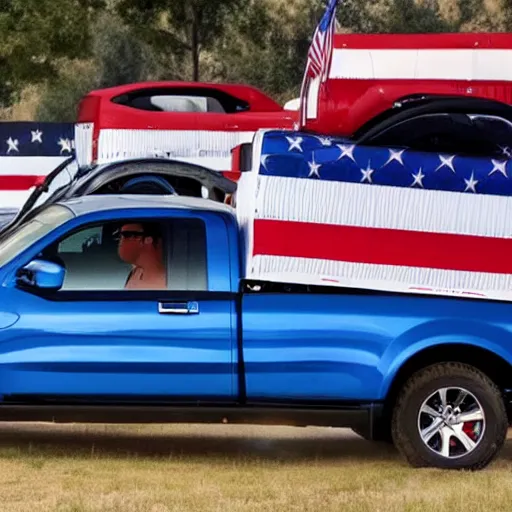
[319, 55]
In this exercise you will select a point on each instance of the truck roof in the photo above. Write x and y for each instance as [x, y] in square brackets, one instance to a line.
[100, 203]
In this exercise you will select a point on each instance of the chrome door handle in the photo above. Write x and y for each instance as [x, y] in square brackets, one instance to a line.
[178, 308]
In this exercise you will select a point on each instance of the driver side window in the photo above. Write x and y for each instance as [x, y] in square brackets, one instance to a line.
[133, 255]
[91, 259]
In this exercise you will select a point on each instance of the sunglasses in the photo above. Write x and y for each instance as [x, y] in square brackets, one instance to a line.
[128, 234]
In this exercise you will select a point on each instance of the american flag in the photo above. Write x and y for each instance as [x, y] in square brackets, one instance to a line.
[29, 151]
[321, 210]
[319, 54]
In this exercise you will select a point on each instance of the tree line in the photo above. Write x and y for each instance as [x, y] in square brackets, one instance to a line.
[65, 48]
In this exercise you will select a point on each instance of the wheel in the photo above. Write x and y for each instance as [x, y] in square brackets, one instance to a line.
[449, 416]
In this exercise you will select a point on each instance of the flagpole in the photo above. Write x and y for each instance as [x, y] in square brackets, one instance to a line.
[319, 57]
[303, 101]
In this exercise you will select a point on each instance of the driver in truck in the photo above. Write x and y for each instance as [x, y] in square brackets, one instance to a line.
[141, 246]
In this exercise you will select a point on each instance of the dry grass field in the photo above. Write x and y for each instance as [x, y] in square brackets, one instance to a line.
[192, 468]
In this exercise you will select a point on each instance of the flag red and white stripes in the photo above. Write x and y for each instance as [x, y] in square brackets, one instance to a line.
[348, 234]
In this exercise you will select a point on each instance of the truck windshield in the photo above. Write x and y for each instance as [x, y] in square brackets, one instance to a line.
[28, 233]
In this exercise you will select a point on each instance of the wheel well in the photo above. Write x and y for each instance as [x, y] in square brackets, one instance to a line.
[496, 368]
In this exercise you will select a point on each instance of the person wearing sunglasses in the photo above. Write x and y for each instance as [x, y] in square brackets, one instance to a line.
[140, 244]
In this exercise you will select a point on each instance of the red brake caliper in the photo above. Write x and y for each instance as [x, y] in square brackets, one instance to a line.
[470, 429]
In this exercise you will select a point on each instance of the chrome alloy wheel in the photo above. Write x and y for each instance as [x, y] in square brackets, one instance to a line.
[451, 422]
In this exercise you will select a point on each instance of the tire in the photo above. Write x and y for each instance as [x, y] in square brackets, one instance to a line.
[421, 391]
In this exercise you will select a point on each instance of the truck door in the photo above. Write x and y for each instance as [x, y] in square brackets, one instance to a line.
[96, 340]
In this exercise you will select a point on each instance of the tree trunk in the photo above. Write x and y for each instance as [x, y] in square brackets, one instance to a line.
[195, 45]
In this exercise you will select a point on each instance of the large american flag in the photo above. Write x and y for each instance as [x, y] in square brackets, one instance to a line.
[319, 55]
[320, 210]
[28, 152]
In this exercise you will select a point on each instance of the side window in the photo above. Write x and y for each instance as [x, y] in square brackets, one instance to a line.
[182, 99]
[79, 241]
[176, 103]
[134, 255]
[455, 133]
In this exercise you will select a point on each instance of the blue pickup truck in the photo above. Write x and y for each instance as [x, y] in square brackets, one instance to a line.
[134, 308]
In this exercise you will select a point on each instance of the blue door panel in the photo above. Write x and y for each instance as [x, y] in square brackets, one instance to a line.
[117, 348]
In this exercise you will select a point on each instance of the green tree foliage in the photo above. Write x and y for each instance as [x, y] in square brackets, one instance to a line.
[73, 46]
[120, 56]
[507, 14]
[61, 96]
[393, 16]
[406, 16]
[266, 48]
[35, 35]
[180, 26]
[363, 16]
[117, 57]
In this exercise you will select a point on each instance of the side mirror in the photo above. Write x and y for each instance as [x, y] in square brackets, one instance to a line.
[241, 158]
[41, 274]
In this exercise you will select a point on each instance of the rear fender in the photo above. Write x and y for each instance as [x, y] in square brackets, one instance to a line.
[491, 338]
